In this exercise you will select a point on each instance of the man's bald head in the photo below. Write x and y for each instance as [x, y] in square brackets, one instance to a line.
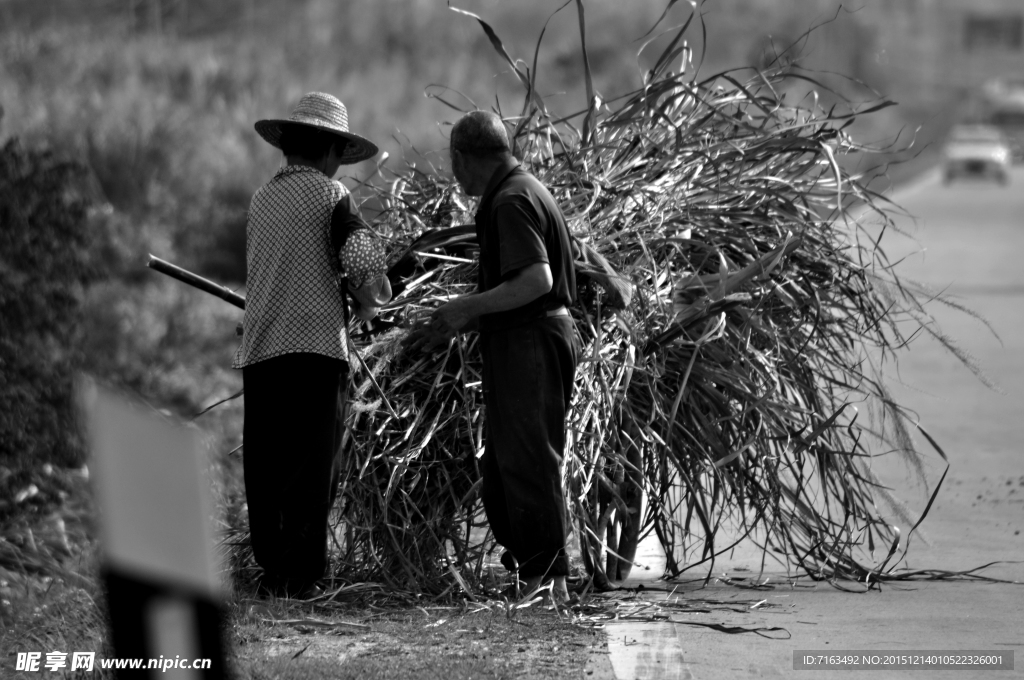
[481, 134]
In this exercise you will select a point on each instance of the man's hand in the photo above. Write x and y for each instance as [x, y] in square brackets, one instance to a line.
[463, 313]
[444, 324]
[426, 337]
[452, 317]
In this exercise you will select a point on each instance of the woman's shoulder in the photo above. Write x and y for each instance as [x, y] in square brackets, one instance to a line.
[331, 188]
[304, 187]
[305, 177]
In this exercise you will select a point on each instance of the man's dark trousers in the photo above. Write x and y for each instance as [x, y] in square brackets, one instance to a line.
[528, 380]
[290, 439]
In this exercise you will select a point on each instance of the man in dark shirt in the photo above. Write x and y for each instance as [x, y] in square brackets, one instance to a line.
[528, 343]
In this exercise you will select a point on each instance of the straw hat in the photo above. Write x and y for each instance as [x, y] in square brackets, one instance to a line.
[323, 112]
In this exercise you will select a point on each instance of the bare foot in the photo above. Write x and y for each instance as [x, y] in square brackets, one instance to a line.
[553, 591]
[559, 591]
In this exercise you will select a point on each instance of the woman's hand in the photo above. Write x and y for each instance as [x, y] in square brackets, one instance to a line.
[365, 313]
[370, 297]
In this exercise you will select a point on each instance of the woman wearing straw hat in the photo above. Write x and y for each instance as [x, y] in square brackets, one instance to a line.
[304, 237]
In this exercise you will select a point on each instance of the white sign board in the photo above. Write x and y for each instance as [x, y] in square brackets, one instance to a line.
[153, 494]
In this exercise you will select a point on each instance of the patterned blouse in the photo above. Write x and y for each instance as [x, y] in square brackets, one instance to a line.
[293, 303]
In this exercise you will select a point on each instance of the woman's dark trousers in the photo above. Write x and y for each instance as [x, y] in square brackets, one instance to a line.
[290, 449]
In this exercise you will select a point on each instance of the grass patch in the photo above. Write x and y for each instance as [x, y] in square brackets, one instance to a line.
[50, 598]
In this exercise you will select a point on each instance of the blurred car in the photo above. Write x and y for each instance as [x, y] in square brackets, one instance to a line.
[1003, 99]
[1005, 90]
[977, 151]
[1010, 121]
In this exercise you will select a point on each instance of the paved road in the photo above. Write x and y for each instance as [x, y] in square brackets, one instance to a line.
[970, 241]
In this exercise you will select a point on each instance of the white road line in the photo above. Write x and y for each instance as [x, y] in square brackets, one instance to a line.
[641, 650]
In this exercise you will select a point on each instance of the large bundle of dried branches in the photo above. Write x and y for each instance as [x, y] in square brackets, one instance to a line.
[715, 401]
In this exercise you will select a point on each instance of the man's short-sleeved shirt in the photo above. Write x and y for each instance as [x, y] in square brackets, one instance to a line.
[518, 224]
[293, 302]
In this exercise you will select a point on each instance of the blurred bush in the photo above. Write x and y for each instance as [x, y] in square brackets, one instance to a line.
[74, 297]
[163, 340]
[45, 263]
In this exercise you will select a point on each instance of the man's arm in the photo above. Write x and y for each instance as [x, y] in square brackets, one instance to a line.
[525, 286]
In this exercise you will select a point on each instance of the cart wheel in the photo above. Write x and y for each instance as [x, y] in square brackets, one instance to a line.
[616, 520]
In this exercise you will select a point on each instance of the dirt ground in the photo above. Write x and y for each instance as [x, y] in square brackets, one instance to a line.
[450, 643]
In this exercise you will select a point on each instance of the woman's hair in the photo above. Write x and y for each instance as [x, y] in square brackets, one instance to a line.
[308, 142]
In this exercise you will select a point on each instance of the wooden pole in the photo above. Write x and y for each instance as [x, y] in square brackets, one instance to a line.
[196, 281]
